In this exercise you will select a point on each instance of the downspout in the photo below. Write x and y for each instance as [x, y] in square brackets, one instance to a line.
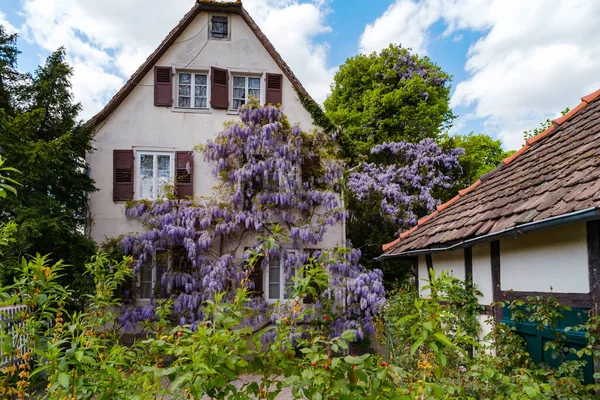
[578, 216]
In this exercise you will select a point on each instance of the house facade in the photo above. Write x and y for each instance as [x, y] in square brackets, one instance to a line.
[209, 65]
[529, 228]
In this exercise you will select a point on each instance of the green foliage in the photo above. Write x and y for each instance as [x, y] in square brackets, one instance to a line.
[9, 75]
[41, 137]
[80, 355]
[380, 97]
[482, 155]
[500, 367]
[319, 117]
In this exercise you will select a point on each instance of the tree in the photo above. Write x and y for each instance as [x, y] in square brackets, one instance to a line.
[44, 140]
[390, 96]
[482, 154]
[8, 69]
[390, 194]
[260, 206]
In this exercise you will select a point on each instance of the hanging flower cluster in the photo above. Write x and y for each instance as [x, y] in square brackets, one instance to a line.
[404, 178]
[274, 181]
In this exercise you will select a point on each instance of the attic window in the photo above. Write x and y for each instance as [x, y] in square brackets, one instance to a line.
[219, 27]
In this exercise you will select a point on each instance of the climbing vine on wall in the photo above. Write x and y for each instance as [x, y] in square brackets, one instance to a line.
[264, 199]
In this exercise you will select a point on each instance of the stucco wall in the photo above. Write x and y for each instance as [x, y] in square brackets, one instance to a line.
[482, 272]
[452, 262]
[555, 258]
[423, 276]
[138, 124]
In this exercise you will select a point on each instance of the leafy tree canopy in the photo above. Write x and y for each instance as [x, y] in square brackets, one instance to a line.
[389, 96]
[41, 137]
[481, 155]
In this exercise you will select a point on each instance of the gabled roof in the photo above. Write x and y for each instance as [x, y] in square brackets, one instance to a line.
[556, 173]
[200, 6]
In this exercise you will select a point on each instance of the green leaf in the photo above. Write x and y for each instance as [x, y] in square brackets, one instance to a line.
[416, 345]
[349, 335]
[443, 339]
[63, 380]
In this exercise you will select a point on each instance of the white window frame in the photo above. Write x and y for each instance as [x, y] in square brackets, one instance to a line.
[192, 96]
[282, 284]
[246, 76]
[154, 278]
[210, 36]
[138, 171]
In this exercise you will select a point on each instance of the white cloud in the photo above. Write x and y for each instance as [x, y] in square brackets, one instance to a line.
[108, 40]
[404, 22]
[533, 59]
[302, 23]
[10, 28]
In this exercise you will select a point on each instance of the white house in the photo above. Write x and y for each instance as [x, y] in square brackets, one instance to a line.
[203, 71]
[530, 227]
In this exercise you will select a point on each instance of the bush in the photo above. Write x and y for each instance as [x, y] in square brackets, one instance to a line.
[80, 355]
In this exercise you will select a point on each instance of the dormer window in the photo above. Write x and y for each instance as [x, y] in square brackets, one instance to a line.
[219, 27]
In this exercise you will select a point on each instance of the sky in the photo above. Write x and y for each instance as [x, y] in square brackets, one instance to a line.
[514, 63]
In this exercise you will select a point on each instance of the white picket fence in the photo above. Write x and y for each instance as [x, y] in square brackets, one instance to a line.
[7, 317]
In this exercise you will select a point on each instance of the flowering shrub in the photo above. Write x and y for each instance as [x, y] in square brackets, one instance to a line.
[404, 178]
[80, 355]
[259, 162]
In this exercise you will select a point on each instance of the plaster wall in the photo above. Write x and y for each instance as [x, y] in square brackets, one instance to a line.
[423, 276]
[452, 262]
[482, 272]
[550, 260]
[138, 124]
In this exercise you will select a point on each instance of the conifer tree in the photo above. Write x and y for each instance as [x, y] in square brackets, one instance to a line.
[42, 138]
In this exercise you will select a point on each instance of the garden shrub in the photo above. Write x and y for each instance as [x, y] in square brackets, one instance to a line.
[80, 355]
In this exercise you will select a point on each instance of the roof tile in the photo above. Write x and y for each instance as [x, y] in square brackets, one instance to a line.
[557, 172]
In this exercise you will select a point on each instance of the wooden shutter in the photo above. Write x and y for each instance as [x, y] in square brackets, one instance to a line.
[184, 173]
[163, 87]
[309, 166]
[256, 276]
[219, 90]
[274, 88]
[123, 175]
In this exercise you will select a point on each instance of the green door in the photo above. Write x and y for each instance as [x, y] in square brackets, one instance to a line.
[535, 339]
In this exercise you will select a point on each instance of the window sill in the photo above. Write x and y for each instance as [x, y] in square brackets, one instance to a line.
[233, 112]
[191, 110]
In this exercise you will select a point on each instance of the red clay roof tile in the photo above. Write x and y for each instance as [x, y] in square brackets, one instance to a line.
[544, 178]
[539, 136]
[559, 121]
[523, 149]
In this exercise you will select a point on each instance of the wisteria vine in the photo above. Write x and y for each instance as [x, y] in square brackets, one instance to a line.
[274, 181]
[404, 178]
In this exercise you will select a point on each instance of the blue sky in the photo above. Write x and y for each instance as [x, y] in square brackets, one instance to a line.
[513, 63]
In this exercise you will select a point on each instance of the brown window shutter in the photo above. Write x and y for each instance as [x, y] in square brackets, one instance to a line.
[256, 276]
[123, 175]
[219, 91]
[309, 166]
[163, 87]
[274, 88]
[184, 174]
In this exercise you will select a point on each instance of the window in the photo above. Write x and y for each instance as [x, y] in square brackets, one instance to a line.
[155, 170]
[276, 283]
[219, 27]
[192, 90]
[151, 275]
[243, 88]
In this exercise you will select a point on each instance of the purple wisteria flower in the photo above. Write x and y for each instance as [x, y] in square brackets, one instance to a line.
[407, 182]
[270, 174]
